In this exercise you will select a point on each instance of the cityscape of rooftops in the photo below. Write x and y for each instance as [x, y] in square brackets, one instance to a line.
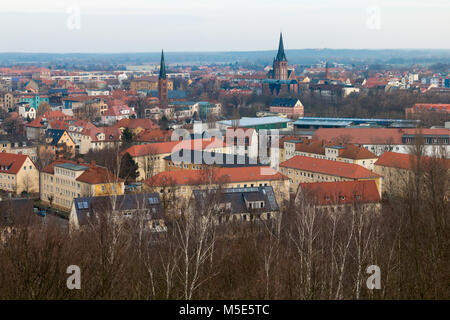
[212, 152]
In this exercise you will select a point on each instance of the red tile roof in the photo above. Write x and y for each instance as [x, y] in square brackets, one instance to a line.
[12, 162]
[353, 152]
[59, 124]
[92, 175]
[341, 192]
[96, 175]
[136, 123]
[111, 133]
[403, 161]
[371, 135]
[215, 175]
[157, 135]
[173, 146]
[329, 167]
[116, 111]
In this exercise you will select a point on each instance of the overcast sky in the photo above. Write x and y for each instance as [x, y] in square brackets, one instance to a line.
[228, 25]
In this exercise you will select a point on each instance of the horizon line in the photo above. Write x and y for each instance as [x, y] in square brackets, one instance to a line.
[220, 51]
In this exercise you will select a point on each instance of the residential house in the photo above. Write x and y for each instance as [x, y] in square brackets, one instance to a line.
[145, 206]
[116, 113]
[18, 146]
[251, 204]
[18, 173]
[58, 143]
[99, 138]
[136, 125]
[25, 111]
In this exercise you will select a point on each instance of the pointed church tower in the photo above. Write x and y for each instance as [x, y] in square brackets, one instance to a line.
[162, 83]
[280, 64]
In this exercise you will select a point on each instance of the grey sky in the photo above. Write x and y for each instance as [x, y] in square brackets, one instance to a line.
[211, 25]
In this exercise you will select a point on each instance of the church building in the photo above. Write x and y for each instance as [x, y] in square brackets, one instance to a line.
[281, 80]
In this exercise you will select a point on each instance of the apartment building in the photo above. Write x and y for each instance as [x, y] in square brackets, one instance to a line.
[330, 151]
[179, 185]
[150, 157]
[18, 173]
[63, 180]
[340, 196]
[397, 170]
[300, 169]
[124, 207]
[18, 146]
[251, 204]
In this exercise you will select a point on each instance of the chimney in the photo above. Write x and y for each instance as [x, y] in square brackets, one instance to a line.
[92, 165]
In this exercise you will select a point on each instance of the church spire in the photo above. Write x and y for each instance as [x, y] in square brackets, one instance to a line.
[280, 55]
[162, 69]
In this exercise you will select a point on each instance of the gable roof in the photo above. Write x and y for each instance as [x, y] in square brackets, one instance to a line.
[55, 135]
[11, 163]
[350, 151]
[284, 102]
[347, 151]
[111, 133]
[126, 202]
[136, 123]
[215, 175]
[341, 192]
[329, 167]
[372, 135]
[403, 161]
[96, 175]
[173, 146]
[237, 197]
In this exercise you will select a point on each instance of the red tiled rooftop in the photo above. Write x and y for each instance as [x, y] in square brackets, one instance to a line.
[329, 167]
[216, 175]
[371, 135]
[341, 192]
[172, 146]
[96, 175]
[12, 161]
[403, 161]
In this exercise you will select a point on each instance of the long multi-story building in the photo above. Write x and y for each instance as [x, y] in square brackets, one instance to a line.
[330, 151]
[179, 185]
[301, 169]
[63, 180]
[150, 157]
